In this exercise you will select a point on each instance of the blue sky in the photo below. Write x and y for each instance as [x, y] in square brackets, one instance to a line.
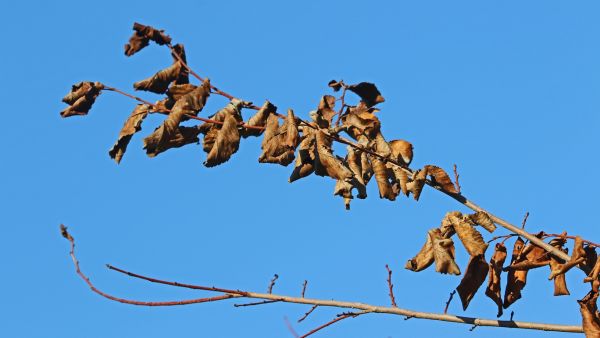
[507, 90]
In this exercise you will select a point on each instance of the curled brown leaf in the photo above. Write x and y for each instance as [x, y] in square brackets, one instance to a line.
[159, 82]
[402, 151]
[443, 253]
[516, 278]
[482, 219]
[470, 237]
[81, 98]
[132, 125]
[259, 119]
[577, 257]
[226, 137]
[279, 142]
[441, 178]
[494, 289]
[424, 257]
[368, 92]
[142, 36]
[474, 276]
[590, 315]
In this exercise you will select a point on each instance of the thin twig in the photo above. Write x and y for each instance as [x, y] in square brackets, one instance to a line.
[525, 220]
[331, 322]
[456, 176]
[290, 327]
[307, 313]
[258, 303]
[449, 300]
[304, 287]
[272, 283]
[391, 286]
[590, 243]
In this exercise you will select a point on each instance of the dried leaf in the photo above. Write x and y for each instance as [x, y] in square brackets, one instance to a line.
[516, 278]
[335, 85]
[424, 258]
[191, 103]
[402, 151]
[305, 161]
[325, 163]
[416, 185]
[470, 237]
[484, 220]
[177, 91]
[443, 253]
[382, 175]
[226, 144]
[440, 177]
[159, 82]
[81, 98]
[590, 315]
[132, 125]
[142, 36]
[368, 92]
[259, 119]
[361, 124]
[279, 143]
[343, 188]
[560, 283]
[472, 280]
[590, 258]
[447, 225]
[494, 290]
[401, 179]
[593, 275]
[326, 111]
[577, 257]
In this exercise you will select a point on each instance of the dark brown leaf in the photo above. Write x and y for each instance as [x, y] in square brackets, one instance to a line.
[227, 142]
[159, 82]
[424, 258]
[279, 143]
[259, 119]
[590, 315]
[132, 125]
[368, 92]
[593, 275]
[81, 98]
[516, 278]
[142, 36]
[190, 103]
[443, 253]
[494, 290]
[335, 85]
[472, 280]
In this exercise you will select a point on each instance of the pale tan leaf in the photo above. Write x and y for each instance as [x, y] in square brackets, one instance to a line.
[382, 175]
[440, 177]
[361, 124]
[326, 111]
[424, 257]
[132, 125]
[443, 253]
[470, 237]
[325, 163]
[494, 289]
[418, 182]
[402, 151]
[472, 280]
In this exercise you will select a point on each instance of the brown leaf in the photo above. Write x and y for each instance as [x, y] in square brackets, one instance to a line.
[593, 275]
[343, 188]
[402, 151]
[590, 258]
[143, 35]
[560, 283]
[424, 258]
[590, 315]
[259, 119]
[279, 143]
[472, 280]
[447, 225]
[361, 168]
[401, 179]
[470, 237]
[443, 253]
[577, 257]
[81, 98]
[326, 111]
[368, 92]
[132, 125]
[190, 103]
[494, 290]
[177, 91]
[516, 278]
[532, 257]
[227, 142]
[418, 182]
[440, 177]
[484, 220]
[361, 124]
[325, 163]
[305, 161]
[159, 82]
[335, 85]
[382, 176]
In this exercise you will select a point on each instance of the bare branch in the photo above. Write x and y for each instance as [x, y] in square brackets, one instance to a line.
[449, 301]
[333, 321]
[304, 287]
[391, 286]
[525, 220]
[307, 313]
[456, 176]
[272, 283]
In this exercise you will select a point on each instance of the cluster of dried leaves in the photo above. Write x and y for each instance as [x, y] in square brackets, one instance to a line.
[308, 144]
[439, 248]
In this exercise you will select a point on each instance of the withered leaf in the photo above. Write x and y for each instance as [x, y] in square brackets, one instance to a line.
[279, 143]
[361, 168]
[180, 137]
[325, 163]
[226, 144]
[560, 283]
[259, 119]
[484, 220]
[531, 257]
[401, 179]
[305, 161]
[424, 257]
[470, 237]
[159, 82]
[177, 91]
[190, 103]
[343, 188]
[447, 225]
[440, 177]
[577, 257]
[132, 125]
[361, 124]
[81, 98]
[590, 315]
[326, 111]
[382, 175]
[472, 280]
[418, 182]
[335, 85]
[368, 92]
[443, 253]
[142, 36]
[593, 275]
[402, 151]
[516, 278]
[494, 290]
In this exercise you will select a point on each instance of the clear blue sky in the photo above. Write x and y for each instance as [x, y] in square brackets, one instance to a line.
[508, 90]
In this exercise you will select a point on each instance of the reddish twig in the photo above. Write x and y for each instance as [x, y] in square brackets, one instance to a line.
[331, 322]
[343, 103]
[304, 287]
[272, 283]
[590, 243]
[290, 327]
[308, 313]
[456, 176]
[391, 286]
[449, 300]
